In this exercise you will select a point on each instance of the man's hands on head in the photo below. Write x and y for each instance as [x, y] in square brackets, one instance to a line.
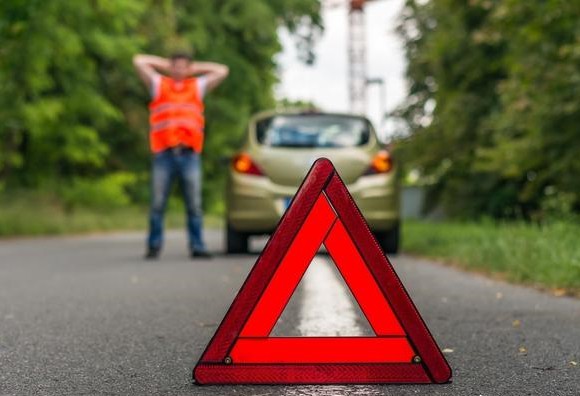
[149, 66]
[214, 73]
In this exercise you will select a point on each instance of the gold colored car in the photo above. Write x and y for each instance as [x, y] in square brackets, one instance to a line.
[280, 148]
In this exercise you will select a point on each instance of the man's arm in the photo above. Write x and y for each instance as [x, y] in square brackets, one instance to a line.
[149, 66]
[214, 73]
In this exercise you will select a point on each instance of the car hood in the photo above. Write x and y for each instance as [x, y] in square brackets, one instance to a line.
[286, 166]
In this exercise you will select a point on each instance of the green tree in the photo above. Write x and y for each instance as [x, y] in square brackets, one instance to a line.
[493, 105]
[452, 75]
[54, 101]
[536, 139]
[71, 106]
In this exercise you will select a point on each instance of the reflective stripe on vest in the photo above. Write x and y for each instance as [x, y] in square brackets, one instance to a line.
[176, 116]
[174, 122]
[174, 106]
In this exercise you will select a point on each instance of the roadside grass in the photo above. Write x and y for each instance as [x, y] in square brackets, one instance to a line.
[545, 256]
[45, 215]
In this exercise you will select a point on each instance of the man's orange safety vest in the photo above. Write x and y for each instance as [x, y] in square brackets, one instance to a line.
[176, 116]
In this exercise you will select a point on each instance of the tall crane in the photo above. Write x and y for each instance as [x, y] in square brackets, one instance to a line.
[357, 57]
[356, 52]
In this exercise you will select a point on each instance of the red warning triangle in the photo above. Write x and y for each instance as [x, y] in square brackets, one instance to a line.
[402, 350]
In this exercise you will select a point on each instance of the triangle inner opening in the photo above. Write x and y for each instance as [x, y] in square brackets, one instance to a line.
[322, 305]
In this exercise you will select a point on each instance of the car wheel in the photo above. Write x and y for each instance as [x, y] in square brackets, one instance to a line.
[389, 240]
[236, 242]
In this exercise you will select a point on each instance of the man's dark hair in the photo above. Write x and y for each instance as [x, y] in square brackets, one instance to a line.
[180, 55]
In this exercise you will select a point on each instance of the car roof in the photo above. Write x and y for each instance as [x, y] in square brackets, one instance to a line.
[301, 111]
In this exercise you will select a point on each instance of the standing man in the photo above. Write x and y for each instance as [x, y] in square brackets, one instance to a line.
[176, 138]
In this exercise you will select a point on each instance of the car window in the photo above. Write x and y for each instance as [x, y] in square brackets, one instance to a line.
[313, 130]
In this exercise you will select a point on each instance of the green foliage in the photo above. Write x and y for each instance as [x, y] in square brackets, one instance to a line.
[286, 103]
[26, 212]
[107, 192]
[493, 106]
[72, 109]
[545, 256]
[55, 105]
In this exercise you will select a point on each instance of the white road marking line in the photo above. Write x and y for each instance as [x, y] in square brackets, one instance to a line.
[326, 308]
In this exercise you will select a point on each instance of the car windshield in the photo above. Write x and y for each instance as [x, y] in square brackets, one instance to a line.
[313, 130]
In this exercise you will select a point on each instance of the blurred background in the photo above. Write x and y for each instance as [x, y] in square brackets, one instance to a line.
[478, 98]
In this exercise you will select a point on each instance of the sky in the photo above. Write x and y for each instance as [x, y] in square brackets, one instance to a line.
[325, 83]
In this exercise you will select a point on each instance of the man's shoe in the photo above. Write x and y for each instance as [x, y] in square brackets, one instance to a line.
[152, 253]
[201, 254]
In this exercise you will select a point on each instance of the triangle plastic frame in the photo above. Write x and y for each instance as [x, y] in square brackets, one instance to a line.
[241, 351]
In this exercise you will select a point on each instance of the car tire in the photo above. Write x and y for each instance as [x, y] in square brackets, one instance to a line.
[389, 240]
[236, 242]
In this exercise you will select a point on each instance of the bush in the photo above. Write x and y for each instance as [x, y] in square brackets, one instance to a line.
[104, 193]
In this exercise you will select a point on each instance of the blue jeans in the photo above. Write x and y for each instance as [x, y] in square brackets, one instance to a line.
[186, 167]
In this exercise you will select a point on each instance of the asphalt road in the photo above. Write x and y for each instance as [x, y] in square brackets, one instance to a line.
[87, 316]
